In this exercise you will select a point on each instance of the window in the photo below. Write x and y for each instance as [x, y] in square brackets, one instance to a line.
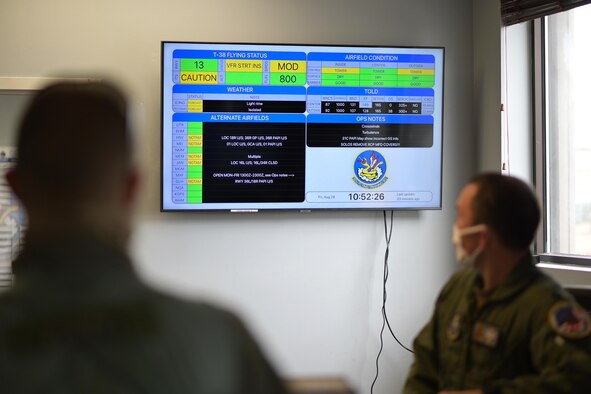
[563, 133]
[12, 223]
[15, 93]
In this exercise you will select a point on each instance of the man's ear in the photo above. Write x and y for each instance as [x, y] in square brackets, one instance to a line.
[132, 184]
[488, 235]
[13, 181]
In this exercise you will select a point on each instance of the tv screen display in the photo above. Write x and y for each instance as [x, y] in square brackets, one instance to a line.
[249, 127]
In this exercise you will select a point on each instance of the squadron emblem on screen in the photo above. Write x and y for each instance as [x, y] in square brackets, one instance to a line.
[370, 169]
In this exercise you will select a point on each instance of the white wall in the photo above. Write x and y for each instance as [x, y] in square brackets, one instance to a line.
[309, 285]
[487, 83]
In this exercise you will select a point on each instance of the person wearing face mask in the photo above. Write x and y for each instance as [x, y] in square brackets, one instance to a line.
[500, 325]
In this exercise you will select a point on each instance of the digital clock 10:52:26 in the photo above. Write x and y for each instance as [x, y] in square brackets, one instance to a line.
[366, 196]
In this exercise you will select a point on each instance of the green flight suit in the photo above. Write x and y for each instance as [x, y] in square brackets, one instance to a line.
[78, 320]
[502, 342]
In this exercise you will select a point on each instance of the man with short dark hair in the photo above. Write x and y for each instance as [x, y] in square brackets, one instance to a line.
[500, 325]
[78, 319]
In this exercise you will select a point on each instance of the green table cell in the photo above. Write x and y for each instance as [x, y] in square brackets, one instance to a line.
[194, 188]
[415, 84]
[340, 83]
[195, 199]
[194, 171]
[374, 83]
[199, 65]
[195, 131]
[288, 79]
[195, 125]
[242, 78]
[195, 149]
[417, 78]
[340, 77]
[378, 78]
[378, 71]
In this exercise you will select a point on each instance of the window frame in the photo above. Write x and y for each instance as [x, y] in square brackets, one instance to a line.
[540, 151]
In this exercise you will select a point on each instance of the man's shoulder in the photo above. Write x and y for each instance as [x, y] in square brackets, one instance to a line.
[13, 306]
[174, 309]
[542, 300]
[546, 290]
[202, 325]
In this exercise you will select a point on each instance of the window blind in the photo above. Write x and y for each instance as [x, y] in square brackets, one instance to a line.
[12, 222]
[516, 11]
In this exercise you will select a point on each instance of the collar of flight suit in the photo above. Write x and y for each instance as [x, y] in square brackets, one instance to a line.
[522, 275]
[80, 262]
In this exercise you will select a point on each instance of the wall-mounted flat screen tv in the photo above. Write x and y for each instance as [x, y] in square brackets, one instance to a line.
[250, 127]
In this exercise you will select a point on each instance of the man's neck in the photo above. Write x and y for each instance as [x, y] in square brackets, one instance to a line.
[106, 228]
[497, 266]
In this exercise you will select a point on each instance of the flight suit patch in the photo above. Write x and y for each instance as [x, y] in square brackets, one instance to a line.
[486, 334]
[454, 329]
[569, 320]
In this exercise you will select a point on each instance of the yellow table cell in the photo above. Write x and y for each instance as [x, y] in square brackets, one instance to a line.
[195, 137]
[195, 105]
[207, 78]
[194, 181]
[282, 66]
[340, 70]
[416, 71]
[193, 156]
[198, 162]
[247, 66]
[194, 143]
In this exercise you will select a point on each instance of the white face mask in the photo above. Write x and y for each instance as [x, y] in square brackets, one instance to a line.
[462, 255]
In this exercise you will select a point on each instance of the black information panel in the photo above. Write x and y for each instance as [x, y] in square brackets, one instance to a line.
[355, 107]
[370, 135]
[254, 106]
[249, 161]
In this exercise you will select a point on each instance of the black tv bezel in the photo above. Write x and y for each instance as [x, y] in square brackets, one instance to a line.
[287, 209]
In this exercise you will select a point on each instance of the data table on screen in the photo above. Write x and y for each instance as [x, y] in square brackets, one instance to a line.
[265, 126]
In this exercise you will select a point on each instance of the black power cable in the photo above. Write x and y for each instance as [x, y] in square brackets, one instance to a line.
[385, 321]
